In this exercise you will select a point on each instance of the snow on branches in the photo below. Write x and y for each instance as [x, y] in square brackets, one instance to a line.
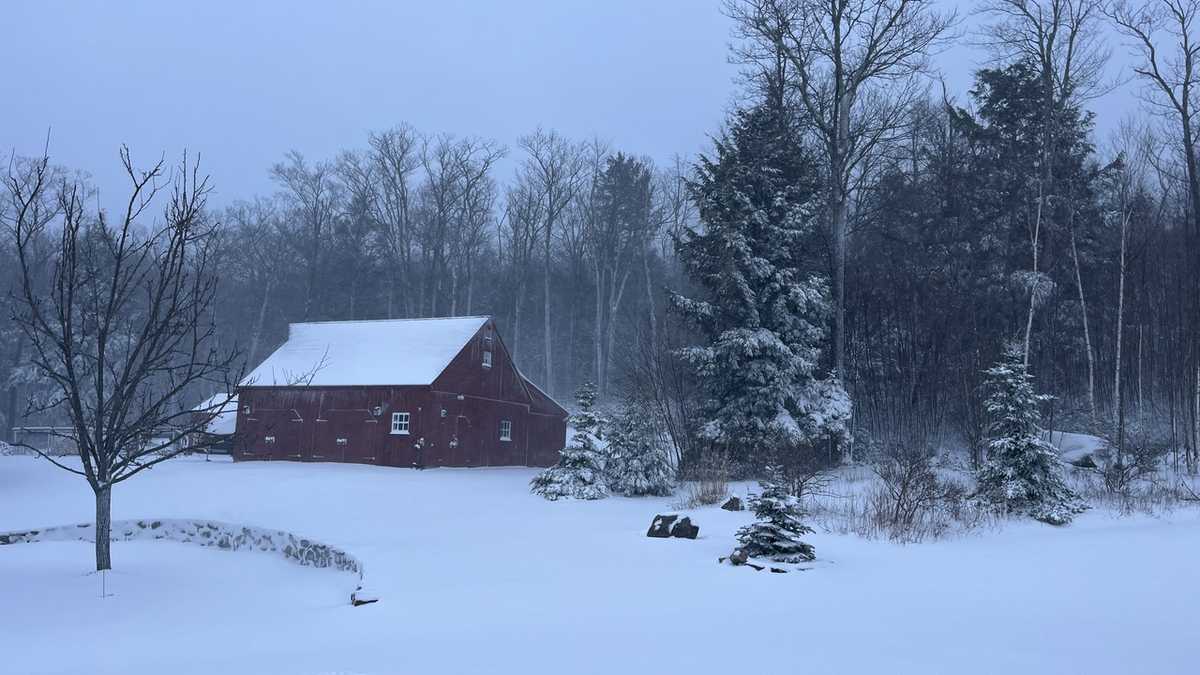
[579, 473]
[775, 533]
[1023, 473]
[764, 313]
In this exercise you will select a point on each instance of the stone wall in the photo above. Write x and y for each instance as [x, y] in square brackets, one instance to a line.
[226, 536]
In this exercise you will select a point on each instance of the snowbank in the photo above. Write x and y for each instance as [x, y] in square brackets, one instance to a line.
[1079, 449]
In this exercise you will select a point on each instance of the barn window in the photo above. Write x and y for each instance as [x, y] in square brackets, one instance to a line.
[400, 423]
[505, 430]
[487, 359]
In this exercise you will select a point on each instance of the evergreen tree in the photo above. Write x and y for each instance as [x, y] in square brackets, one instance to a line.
[765, 306]
[1022, 473]
[776, 531]
[580, 469]
[637, 463]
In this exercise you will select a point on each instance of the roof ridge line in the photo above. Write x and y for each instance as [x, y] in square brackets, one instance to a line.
[429, 318]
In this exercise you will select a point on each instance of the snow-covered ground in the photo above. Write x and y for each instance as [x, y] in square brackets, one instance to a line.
[476, 575]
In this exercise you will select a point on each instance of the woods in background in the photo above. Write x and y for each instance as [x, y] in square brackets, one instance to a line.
[939, 227]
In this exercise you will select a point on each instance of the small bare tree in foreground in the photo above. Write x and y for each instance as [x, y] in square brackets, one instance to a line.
[122, 328]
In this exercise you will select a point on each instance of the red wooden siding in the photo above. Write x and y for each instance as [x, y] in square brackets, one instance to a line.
[458, 418]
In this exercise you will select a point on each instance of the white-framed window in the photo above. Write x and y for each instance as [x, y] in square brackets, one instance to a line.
[400, 423]
[487, 359]
[270, 440]
[505, 430]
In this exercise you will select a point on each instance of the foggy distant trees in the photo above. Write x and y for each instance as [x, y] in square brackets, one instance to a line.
[946, 224]
[570, 253]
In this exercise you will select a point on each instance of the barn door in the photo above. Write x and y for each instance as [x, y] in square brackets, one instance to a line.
[464, 450]
[281, 434]
[345, 436]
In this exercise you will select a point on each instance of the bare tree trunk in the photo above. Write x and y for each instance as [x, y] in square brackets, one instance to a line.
[610, 330]
[838, 218]
[652, 311]
[1140, 400]
[516, 334]
[1033, 280]
[390, 296]
[547, 334]
[10, 414]
[10, 408]
[599, 351]
[1120, 399]
[256, 334]
[470, 285]
[103, 528]
[1087, 335]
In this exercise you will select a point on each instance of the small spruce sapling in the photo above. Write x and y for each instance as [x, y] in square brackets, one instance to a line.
[580, 469]
[637, 463]
[1022, 474]
[775, 533]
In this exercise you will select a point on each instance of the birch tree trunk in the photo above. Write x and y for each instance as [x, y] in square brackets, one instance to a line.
[1087, 335]
[650, 299]
[1033, 281]
[615, 295]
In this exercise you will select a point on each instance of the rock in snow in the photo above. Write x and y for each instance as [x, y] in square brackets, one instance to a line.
[661, 526]
[684, 529]
[361, 596]
[733, 504]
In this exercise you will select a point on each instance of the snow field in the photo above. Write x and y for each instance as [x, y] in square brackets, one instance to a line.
[476, 575]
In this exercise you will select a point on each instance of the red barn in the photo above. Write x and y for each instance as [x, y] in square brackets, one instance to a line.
[428, 392]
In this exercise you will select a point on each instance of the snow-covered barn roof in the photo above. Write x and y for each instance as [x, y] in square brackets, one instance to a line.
[356, 353]
[225, 419]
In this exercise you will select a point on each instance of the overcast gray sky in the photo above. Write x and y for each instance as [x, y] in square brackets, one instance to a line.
[243, 82]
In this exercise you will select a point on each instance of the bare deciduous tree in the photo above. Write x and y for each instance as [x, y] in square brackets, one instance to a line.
[851, 65]
[1059, 38]
[1162, 34]
[123, 329]
[555, 166]
[311, 195]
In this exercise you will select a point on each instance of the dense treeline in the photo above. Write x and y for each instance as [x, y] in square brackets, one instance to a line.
[945, 227]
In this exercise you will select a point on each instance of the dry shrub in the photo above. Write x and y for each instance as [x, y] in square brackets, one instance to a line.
[902, 495]
[1140, 481]
[708, 480]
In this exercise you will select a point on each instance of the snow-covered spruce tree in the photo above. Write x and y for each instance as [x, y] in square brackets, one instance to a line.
[637, 463]
[764, 309]
[775, 533]
[1022, 473]
[580, 469]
